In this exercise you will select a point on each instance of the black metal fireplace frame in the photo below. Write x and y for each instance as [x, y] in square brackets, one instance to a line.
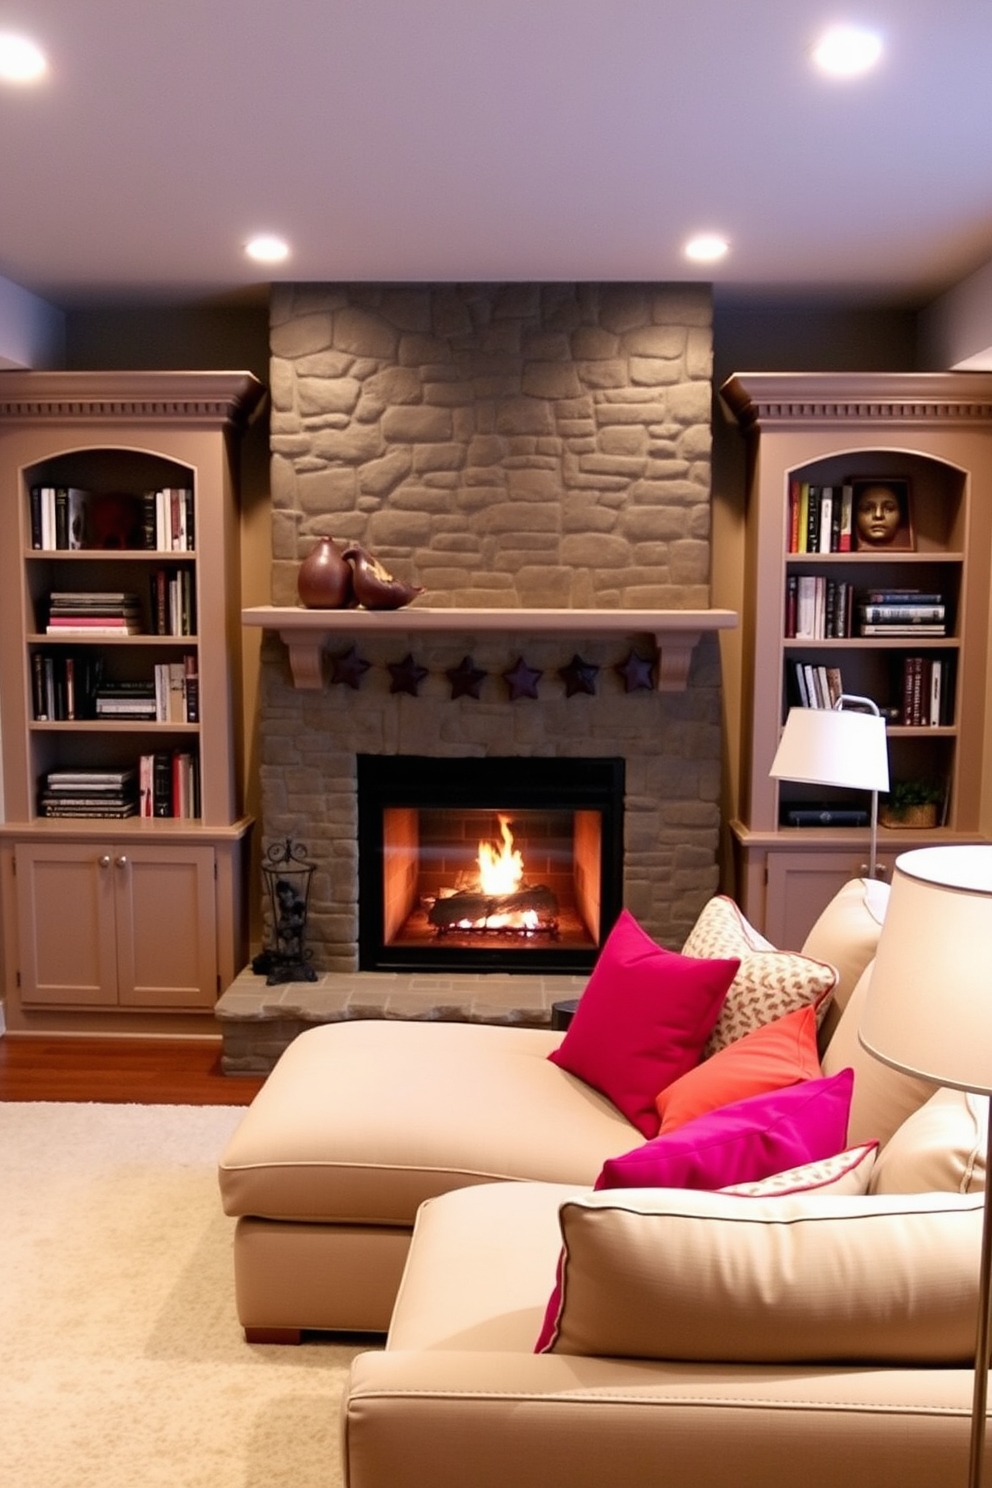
[512, 782]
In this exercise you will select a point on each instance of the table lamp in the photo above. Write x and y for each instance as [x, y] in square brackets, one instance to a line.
[837, 746]
[928, 1011]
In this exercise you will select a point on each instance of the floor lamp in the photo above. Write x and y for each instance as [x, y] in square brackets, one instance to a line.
[843, 745]
[928, 1011]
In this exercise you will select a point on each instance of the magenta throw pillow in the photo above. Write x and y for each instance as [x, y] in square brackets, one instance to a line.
[744, 1141]
[642, 1020]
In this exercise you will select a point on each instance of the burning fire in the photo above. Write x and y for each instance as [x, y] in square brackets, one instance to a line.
[501, 866]
[498, 900]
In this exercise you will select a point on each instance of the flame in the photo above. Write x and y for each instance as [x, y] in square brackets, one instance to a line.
[501, 868]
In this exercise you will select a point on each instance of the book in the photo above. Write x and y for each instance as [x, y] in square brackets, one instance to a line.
[803, 518]
[191, 688]
[912, 628]
[901, 596]
[826, 518]
[825, 816]
[162, 804]
[813, 520]
[845, 537]
[805, 606]
[35, 517]
[791, 601]
[903, 613]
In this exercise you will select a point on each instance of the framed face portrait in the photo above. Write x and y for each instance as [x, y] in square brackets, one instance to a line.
[881, 514]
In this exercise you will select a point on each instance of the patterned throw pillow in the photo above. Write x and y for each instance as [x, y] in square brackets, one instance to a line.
[847, 1173]
[769, 982]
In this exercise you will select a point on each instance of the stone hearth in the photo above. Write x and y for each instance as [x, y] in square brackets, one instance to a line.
[257, 1021]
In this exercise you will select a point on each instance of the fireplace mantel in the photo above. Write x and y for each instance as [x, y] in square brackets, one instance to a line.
[675, 633]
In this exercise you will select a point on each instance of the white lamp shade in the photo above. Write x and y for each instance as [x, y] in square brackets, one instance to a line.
[928, 1008]
[833, 746]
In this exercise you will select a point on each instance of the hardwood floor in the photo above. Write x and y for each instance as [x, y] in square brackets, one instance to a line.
[170, 1072]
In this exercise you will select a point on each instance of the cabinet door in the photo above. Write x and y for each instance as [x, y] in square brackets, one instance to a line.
[166, 926]
[800, 885]
[66, 924]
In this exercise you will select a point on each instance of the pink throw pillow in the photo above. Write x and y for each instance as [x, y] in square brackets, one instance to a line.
[642, 1020]
[742, 1142]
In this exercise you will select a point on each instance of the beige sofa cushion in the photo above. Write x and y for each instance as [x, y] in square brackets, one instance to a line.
[695, 1276]
[941, 1146]
[883, 1097]
[360, 1122]
[846, 934]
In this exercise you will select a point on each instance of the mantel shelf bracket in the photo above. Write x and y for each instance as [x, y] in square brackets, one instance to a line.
[305, 633]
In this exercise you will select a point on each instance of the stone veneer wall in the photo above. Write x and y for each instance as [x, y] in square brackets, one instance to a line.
[517, 445]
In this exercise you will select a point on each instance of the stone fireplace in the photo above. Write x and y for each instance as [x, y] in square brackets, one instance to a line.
[510, 448]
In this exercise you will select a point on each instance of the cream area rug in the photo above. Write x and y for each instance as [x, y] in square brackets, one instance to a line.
[121, 1360]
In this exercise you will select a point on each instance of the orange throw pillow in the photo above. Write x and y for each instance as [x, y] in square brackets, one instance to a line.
[778, 1054]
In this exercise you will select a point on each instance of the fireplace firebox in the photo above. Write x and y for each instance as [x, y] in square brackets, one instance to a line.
[487, 864]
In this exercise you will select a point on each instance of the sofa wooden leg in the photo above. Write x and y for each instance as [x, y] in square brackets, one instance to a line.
[273, 1335]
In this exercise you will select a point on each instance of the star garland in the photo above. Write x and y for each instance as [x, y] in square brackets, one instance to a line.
[466, 679]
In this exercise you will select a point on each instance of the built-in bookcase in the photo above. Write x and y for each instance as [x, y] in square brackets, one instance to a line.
[928, 437]
[124, 836]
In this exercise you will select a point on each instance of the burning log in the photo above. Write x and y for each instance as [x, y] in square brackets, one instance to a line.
[524, 909]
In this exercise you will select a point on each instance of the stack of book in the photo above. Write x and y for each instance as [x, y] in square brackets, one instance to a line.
[820, 518]
[170, 520]
[63, 686]
[902, 612]
[95, 613]
[170, 695]
[103, 793]
[173, 606]
[169, 783]
[925, 691]
[817, 607]
[126, 702]
[813, 686]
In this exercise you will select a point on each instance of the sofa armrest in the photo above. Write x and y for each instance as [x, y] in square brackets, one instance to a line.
[424, 1419]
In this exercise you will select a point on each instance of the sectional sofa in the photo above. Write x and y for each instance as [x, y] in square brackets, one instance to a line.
[559, 1307]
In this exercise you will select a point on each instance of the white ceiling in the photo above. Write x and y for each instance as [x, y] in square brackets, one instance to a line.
[493, 140]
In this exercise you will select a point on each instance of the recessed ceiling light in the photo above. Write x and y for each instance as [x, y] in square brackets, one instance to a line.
[21, 60]
[266, 248]
[847, 51]
[706, 248]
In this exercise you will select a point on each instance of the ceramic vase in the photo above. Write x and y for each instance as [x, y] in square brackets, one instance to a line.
[324, 578]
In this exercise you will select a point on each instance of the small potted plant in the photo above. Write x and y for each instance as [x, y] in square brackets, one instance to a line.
[912, 803]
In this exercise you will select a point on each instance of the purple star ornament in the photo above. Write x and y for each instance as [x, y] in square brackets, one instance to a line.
[466, 679]
[637, 673]
[350, 668]
[579, 676]
[522, 680]
[407, 675]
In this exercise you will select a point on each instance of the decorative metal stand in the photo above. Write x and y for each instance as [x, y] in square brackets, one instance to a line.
[287, 876]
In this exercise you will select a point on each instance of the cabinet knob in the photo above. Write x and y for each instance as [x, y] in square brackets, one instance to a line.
[104, 860]
[122, 861]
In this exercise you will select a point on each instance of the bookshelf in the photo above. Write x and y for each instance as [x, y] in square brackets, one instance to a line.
[124, 840]
[922, 655]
